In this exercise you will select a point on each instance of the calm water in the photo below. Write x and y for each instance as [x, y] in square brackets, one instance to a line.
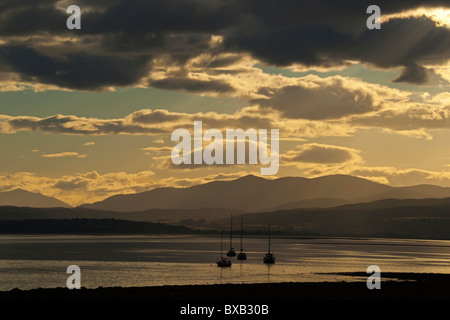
[41, 261]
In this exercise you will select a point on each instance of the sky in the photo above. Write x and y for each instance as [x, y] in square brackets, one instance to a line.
[86, 114]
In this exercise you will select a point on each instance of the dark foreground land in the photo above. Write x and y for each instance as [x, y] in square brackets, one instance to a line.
[394, 286]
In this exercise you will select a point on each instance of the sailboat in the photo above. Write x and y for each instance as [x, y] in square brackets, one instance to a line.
[242, 255]
[223, 262]
[269, 257]
[231, 252]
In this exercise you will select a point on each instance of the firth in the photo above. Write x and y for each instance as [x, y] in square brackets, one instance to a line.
[183, 152]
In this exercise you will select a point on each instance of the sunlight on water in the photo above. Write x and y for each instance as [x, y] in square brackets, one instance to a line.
[40, 261]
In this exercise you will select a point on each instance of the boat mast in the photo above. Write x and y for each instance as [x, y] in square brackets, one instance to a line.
[221, 246]
[269, 238]
[242, 229]
[231, 232]
[242, 223]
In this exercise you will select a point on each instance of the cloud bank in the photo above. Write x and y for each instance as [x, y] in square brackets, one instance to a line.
[122, 41]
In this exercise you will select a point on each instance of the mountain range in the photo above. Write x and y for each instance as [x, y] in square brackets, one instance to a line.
[330, 206]
[246, 194]
[256, 194]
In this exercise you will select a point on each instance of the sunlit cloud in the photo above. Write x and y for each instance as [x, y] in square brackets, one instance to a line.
[296, 110]
[321, 154]
[157, 149]
[92, 186]
[384, 174]
[162, 122]
[441, 16]
[64, 155]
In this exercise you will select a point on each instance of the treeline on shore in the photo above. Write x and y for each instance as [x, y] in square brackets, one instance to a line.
[89, 226]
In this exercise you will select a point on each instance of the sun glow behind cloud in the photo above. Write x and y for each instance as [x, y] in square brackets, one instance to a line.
[441, 16]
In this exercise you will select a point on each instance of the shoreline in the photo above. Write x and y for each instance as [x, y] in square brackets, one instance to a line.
[394, 286]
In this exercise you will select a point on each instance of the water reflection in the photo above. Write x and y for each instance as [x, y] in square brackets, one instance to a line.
[34, 261]
[268, 272]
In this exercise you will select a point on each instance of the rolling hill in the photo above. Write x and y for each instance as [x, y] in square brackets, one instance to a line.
[8, 213]
[390, 218]
[89, 226]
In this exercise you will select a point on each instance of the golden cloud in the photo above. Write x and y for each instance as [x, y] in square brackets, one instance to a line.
[92, 186]
[64, 155]
[315, 153]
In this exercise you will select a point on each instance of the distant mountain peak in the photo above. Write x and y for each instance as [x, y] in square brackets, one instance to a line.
[342, 176]
[23, 198]
[20, 190]
[17, 190]
[250, 177]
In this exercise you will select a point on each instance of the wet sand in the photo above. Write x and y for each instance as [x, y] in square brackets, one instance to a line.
[394, 286]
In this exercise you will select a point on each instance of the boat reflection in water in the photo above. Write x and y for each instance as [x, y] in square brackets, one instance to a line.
[231, 252]
[269, 258]
[242, 255]
[223, 262]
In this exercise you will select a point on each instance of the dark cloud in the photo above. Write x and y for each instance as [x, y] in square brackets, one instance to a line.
[404, 42]
[218, 61]
[78, 71]
[6, 5]
[75, 184]
[323, 154]
[156, 116]
[413, 74]
[400, 42]
[192, 85]
[27, 20]
[120, 36]
[126, 42]
[141, 16]
[285, 46]
[345, 16]
[133, 17]
[327, 101]
[96, 4]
